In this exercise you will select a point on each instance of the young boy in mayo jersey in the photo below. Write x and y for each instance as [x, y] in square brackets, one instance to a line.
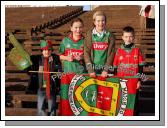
[128, 59]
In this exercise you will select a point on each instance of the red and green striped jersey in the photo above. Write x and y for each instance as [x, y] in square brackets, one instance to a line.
[127, 61]
[82, 95]
[70, 48]
[100, 48]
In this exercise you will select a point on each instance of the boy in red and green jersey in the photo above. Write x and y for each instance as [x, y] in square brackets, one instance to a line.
[128, 62]
[128, 59]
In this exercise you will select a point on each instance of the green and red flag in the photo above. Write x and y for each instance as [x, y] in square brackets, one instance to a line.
[82, 95]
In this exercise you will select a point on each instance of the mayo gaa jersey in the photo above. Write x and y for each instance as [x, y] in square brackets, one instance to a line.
[128, 60]
[69, 47]
[100, 48]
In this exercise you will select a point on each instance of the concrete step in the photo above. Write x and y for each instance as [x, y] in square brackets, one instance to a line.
[22, 112]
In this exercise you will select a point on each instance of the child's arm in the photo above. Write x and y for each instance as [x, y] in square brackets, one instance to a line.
[62, 51]
[67, 58]
[141, 58]
[110, 54]
[140, 71]
[116, 62]
[141, 64]
[87, 52]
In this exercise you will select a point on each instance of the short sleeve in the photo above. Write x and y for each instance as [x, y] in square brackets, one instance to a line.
[62, 48]
[116, 56]
[141, 59]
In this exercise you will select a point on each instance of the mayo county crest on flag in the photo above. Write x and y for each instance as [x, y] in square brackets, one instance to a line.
[82, 95]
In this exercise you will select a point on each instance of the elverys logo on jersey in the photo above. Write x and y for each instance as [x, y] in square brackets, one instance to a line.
[100, 45]
[73, 52]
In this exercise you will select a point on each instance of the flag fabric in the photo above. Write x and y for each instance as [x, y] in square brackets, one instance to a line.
[82, 95]
[147, 11]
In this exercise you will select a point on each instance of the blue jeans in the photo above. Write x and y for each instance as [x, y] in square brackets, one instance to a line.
[41, 103]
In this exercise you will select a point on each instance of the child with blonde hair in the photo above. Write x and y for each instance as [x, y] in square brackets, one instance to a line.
[99, 47]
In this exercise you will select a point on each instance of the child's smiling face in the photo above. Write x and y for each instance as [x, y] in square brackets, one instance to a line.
[77, 28]
[128, 37]
[100, 23]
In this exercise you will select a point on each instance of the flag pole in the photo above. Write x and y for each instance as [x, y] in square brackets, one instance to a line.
[84, 74]
[43, 72]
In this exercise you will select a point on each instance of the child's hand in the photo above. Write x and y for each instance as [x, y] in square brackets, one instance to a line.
[138, 84]
[104, 74]
[79, 58]
[69, 58]
[93, 74]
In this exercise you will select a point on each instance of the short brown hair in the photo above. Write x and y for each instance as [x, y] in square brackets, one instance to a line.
[77, 20]
[129, 29]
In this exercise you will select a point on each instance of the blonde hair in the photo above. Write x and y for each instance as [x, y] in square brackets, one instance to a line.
[98, 13]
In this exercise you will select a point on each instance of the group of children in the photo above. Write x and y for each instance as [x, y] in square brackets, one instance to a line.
[93, 54]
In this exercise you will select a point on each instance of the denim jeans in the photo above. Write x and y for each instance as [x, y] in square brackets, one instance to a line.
[41, 103]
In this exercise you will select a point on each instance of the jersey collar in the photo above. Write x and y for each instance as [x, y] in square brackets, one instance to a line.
[75, 41]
